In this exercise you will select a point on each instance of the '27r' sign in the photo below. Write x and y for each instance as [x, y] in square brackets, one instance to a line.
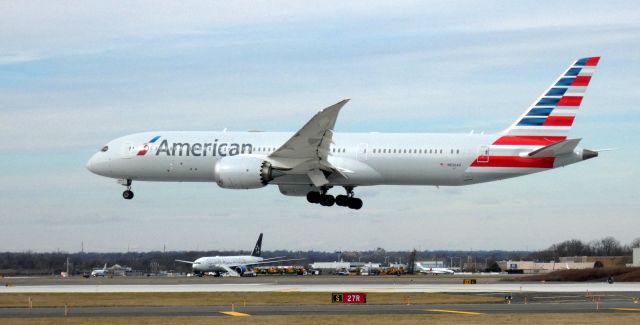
[349, 298]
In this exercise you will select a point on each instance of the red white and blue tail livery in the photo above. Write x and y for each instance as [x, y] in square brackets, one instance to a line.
[316, 159]
[546, 122]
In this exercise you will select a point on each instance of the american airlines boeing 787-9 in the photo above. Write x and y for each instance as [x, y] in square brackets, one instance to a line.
[315, 159]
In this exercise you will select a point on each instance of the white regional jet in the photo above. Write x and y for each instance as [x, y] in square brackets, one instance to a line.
[315, 159]
[232, 265]
[433, 270]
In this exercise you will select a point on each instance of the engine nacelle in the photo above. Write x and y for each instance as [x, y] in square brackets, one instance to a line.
[242, 172]
[241, 269]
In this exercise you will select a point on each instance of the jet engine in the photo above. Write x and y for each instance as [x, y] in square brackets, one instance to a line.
[241, 269]
[242, 172]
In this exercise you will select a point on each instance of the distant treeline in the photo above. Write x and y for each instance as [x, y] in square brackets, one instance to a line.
[607, 246]
[25, 263]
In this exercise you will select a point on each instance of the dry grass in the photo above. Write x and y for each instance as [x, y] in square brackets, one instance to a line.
[624, 274]
[223, 298]
[582, 318]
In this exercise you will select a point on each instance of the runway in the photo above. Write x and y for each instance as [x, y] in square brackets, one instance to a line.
[506, 287]
[468, 309]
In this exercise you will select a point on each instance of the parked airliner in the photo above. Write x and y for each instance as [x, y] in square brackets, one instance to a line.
[232, 265]
[100, 272]
[315, 159]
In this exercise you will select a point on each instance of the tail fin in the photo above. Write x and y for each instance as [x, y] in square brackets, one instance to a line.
[258, 249]
[550, 117]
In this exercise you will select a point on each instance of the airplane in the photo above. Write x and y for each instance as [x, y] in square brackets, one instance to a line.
[232, 265]
[433, 270]
[100, 272]
[315, 159]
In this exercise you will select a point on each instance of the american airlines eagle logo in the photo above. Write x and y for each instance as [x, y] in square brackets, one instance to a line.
[145, 147]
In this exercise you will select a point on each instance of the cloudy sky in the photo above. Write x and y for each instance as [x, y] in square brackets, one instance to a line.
[74, 75]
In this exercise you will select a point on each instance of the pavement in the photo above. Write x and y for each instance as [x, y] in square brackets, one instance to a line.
[527, 297]
[506, 287]
[333, 309]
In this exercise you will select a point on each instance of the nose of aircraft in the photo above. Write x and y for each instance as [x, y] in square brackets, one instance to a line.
[98, 164]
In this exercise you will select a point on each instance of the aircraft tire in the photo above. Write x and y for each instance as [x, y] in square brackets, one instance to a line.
[327, 200]
[313, 197]
[127, 195]
[354, 203]
[342, 200]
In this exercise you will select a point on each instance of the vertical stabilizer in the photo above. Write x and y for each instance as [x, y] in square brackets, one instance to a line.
[550, 117]
[257, 250]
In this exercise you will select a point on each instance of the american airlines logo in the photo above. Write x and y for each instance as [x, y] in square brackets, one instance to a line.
[198, 149]
[145, 147]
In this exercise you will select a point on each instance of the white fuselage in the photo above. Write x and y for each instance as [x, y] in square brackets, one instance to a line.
[219, 264]
[365, 158]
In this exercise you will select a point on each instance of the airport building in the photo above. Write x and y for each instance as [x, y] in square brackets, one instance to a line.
[636, 257]
[599, 261]
[531, 267]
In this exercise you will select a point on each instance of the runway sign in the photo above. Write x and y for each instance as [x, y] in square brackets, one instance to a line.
[349, 298]
[469, 281]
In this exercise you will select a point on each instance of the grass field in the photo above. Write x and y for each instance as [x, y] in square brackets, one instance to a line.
[584, 318]
[223, 298]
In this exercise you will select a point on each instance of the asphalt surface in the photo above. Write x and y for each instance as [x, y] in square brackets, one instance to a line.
[275, 279]
[507, 287]
[527, 297]
[333, 309]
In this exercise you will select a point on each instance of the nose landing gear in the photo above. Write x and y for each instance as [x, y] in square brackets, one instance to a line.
[127, 194]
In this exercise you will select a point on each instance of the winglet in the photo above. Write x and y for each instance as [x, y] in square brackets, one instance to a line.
[312, 141]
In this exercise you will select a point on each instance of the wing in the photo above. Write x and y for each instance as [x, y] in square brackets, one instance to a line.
[307, 150]
[181, 261]
[263, 262]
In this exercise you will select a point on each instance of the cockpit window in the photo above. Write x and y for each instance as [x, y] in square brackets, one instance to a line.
[104, 149]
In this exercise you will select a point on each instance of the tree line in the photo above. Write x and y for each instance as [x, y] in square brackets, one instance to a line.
[33, 263]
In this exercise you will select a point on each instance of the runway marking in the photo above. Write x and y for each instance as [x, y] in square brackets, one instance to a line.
[626, 309]
[454, 311]
[234, 313]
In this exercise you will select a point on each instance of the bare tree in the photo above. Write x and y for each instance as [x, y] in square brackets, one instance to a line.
[610, 246]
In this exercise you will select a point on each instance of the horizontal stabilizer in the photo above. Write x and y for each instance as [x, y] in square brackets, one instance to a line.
[556, 149]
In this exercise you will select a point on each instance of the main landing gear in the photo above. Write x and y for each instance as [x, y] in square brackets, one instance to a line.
[328, 200]
[127, 194]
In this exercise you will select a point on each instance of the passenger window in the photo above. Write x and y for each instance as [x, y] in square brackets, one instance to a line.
[440, 151]
[458, 151]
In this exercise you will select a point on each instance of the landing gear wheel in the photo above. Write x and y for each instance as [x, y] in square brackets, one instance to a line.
[313, 197]
[127, 195]
[354, 203]
[342, 200]
[327, 200]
